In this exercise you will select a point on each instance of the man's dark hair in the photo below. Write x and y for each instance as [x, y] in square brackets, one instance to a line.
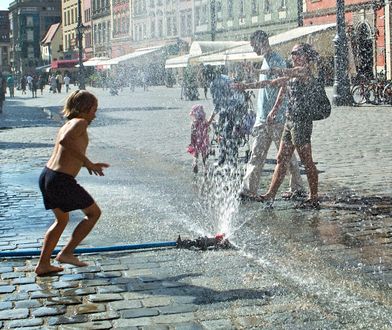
[259, 35]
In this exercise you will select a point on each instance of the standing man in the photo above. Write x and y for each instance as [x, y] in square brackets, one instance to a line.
[11, 85]
[268, 128]
[3, 91]
[66, 83]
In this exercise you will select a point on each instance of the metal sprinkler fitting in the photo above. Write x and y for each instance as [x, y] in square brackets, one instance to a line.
[205, 243]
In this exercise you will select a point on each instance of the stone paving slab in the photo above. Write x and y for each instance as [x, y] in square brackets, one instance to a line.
[174, 289]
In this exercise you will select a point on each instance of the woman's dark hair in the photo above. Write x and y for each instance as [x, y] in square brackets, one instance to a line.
[310, 53]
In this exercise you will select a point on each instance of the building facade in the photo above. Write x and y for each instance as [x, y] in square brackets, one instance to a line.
[29, 21]
[102, 28]
[4, 41]
[52, 44]
[368, 25]
[122, 41]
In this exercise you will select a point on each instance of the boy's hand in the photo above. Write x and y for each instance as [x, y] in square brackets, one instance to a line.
[97, 168]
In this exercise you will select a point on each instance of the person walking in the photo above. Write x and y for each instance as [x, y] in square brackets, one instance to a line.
[66, 83]
[3, 91]
[61, 193]
[11, 85]
[300, 81]
[41, 84]
[34, 86]
[23, 84]
[268, 128]
[53, 83]
[59, 82]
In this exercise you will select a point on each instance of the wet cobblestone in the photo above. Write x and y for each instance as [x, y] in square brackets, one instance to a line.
[173, 289]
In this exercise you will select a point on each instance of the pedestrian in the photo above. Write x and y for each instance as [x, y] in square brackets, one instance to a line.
[297, 133]
[29, 79]
[202, 79]
[66, 83]
[268, 128]
[53, 83]
[41, 84]
[34, 86]
[3, 91]
[61, 193]
[11, 85]
[59, 82]
[199, 136]
[23, 84]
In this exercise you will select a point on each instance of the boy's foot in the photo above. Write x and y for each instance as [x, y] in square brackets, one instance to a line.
[47, 270]
[70, 259]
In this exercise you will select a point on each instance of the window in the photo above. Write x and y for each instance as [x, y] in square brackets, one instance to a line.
[169, 26]
[197, 16]
[29, 21]
[204, 14]
[230, 8]
[30, 35]
[174, 26]
[267, 7]
[242, 8]
[283, 4]
[254, 8]
[152, 28]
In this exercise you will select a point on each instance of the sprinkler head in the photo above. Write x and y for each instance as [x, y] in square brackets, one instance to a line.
[204, 243]
[220, 236]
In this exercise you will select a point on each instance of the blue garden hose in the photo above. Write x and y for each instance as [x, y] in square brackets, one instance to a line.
[31, 253]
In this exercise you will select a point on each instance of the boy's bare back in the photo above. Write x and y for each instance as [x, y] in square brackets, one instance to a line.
[70, 147]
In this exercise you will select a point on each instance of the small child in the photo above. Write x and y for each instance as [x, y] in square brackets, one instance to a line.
[199, 136]
[60, 190]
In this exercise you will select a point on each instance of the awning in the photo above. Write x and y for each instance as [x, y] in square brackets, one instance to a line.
[321, 36]
[61, 64]
[128, 58]
[199, 48]
[43, 68]
[94, 61]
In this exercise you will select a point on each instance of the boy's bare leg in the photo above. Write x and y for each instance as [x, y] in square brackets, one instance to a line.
[66, 255]
[51, 239]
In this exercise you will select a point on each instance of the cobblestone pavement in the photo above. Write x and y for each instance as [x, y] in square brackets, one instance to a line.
[338, 275]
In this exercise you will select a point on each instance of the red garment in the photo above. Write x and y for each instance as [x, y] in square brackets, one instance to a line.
[200, 141]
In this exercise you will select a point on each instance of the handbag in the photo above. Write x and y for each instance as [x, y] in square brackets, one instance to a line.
[320, 106]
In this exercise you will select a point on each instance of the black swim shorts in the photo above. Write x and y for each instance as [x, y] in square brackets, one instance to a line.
[60, 190]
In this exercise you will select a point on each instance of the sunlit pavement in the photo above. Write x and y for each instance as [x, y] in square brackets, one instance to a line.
[327, 269]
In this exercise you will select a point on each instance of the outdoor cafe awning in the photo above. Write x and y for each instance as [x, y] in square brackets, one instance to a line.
[136, 55]
[199, 48]
[43, 68]
[63, 64]
[94, 61]
[321, 36]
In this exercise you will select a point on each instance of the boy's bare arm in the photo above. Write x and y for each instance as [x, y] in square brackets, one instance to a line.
[75, 141]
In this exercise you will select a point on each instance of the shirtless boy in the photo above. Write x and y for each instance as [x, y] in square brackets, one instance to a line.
[61, 193]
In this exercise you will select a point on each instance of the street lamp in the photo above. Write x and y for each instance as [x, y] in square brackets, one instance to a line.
[213, 19]
[341, 86]
[80, 30]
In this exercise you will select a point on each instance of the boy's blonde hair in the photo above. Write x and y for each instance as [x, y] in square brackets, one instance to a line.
[79, 101]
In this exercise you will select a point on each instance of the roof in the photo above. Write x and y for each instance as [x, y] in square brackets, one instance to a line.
[50, 34]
